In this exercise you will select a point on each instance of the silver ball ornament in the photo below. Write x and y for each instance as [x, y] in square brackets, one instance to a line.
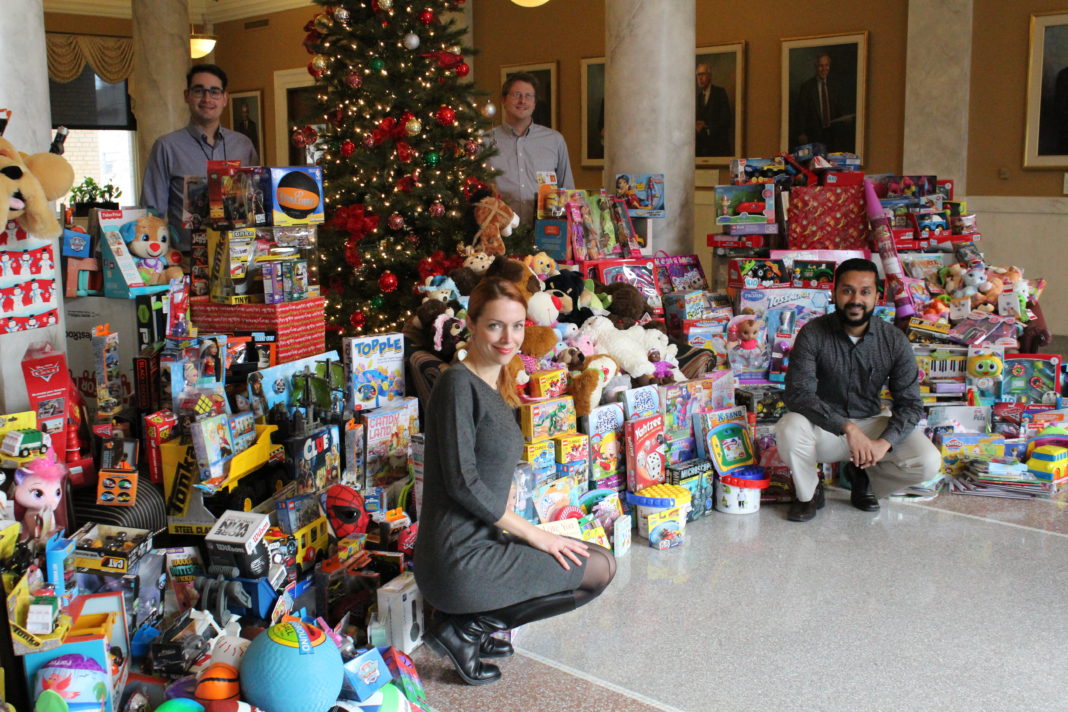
[411, 41]
[489, 110]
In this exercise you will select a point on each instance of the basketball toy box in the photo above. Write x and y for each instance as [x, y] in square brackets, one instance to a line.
[297, 196]
[374, 370]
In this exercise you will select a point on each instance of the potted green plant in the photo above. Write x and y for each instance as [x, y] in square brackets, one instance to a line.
[89, 194]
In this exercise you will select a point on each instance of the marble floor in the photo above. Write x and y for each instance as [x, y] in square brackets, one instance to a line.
[954, 604]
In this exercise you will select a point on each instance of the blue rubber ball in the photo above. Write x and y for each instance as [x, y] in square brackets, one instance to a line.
[292, 667]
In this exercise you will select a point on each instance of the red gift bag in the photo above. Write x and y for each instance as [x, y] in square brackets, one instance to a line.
[821, 217]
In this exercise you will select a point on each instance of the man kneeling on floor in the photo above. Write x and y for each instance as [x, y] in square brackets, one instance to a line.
[838, 365]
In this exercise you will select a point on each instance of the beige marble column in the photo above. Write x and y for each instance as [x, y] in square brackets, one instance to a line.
[937, 91]
[24, 90]
[649, 106]
[161, 59]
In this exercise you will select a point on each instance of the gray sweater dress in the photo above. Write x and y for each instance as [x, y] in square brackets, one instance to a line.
[463, 563]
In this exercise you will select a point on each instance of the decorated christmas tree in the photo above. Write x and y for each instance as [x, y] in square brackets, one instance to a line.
[401, 153]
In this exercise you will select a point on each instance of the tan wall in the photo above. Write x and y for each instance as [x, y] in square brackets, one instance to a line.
[251, 57]
[1000, 48]
[576, 29]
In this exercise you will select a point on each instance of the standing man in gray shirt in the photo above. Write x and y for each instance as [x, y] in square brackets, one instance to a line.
[186, 152]
[838, 366]
[528, 154]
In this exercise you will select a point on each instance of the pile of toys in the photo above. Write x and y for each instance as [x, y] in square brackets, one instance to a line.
[207, 504]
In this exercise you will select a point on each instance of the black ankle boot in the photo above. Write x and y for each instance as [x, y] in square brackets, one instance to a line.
[493, 647]
[535, 609]
[459, 639]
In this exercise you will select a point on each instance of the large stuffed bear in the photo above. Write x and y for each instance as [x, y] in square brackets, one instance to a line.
[27, 185]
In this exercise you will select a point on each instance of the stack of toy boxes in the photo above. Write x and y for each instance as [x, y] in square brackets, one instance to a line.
[682, 401]
[572, 455]
[551, 422]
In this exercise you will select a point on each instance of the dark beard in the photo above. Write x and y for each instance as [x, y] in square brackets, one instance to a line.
[864, 318]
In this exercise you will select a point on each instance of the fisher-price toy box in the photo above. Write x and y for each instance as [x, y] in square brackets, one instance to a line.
[374, 369]
[542, 420]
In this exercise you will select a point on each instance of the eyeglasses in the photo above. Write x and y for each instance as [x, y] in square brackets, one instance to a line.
[517, 95]
[199, 91]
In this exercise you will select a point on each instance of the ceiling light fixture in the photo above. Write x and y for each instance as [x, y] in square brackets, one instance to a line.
[200, 44]
[529, 3]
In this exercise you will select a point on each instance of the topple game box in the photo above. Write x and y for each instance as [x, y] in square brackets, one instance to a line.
[374, 368]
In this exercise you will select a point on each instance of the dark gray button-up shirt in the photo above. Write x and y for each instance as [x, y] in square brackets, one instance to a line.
[831, 380]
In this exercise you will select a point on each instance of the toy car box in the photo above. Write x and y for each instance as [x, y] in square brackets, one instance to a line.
[757, 273]
[739, 204]
[765, 401]
[110, 549]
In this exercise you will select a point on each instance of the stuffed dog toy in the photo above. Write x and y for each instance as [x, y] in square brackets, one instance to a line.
[27, 185]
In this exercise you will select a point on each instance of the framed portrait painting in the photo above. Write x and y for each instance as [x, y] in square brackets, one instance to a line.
[545, 74]
[592, 111]
[1046, 140]
[824, 87]
[720, 85]
[246, 117]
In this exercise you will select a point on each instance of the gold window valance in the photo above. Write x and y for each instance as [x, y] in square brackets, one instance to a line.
[110, 57]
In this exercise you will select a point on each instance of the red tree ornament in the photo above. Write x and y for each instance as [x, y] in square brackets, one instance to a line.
[387, 282]
[358, 319]
[347, 148]
[437, 209]
[396, 221]
[353, 80]
[445, 116]
[426, 17]
[298, 139]
[462, 69]
[404, 152]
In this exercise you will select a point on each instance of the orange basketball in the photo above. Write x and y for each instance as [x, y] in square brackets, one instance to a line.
[218, 681]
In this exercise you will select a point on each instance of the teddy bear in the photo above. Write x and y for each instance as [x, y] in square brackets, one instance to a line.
[478, 262]
[441, 288]
[627, 306]
[588, 386]
[149, 240]
[495, 220]
[448, 336]
[28, 183]
[419, 329]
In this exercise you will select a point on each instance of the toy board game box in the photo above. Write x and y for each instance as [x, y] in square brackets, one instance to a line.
[646, 458]
[713, 391]
[389, 431]
[374, 368]
[316, 458]
[641, 402]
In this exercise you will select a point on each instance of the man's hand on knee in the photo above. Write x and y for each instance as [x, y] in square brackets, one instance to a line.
[863, 451]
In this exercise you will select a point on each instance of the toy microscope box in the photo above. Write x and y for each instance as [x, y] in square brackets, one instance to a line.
[544, 419]
[374, 369]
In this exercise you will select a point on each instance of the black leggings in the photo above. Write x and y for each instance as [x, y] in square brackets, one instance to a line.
[599, 571]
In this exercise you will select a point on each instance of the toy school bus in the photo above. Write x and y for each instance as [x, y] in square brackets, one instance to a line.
[312, 541]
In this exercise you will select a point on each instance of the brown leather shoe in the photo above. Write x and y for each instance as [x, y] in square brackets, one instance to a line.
[804, 511]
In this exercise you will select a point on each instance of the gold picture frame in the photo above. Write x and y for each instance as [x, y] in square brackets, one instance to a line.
[252, 126]
[592, 75]
[1046, 135]
[726, 64]
[801, 120]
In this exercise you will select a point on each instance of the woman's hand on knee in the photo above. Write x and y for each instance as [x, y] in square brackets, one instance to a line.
[561, 548]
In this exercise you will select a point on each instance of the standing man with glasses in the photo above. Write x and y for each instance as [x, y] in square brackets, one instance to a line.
[529, 154]
[186, 152]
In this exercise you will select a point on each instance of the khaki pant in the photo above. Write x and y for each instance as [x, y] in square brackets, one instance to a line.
[803, 445]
